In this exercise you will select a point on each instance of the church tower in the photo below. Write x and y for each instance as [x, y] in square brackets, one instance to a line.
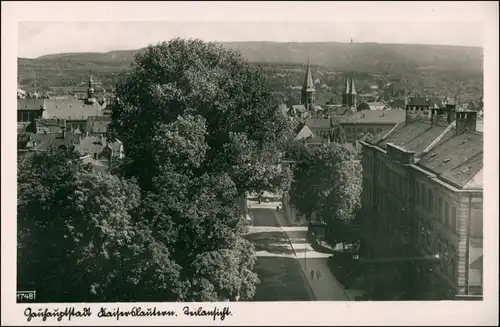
[90, 89]
[353, 96]
[345, 95]
[308, 93]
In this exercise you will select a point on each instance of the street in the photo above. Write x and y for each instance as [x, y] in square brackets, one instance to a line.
[280, 246]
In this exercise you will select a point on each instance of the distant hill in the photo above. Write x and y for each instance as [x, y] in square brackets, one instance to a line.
[67, 68]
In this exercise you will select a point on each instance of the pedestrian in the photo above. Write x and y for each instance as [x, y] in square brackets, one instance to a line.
[318, 274]
[312, 273]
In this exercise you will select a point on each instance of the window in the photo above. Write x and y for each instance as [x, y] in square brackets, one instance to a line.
[440, 209]
[422, 195]
[454, 219]
[446, 213]
[417, 193]
[429, 200]
[442, 250]
[428, 238]
[451, 262]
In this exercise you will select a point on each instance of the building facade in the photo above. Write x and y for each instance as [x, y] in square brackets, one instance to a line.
[422, 204]
[372, 122]
[74, 111]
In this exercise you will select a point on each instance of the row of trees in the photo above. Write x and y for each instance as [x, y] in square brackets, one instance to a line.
[200, 130]
[327, 183]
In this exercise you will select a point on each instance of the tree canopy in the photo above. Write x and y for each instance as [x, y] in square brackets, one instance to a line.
[200, 130]
[327, 181]
[225, 118]
[77, 236]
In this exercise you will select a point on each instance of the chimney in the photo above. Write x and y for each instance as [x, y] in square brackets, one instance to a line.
[411, 110]
[102, 139]
[465, 121]
[450, 109]
[435, 115]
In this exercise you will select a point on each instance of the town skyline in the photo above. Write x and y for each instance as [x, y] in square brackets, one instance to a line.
[45, 38]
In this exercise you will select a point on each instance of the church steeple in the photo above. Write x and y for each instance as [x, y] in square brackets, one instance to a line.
[345, 95]
[347, 88]
[308, 93]
[352, 89]
[90, 89]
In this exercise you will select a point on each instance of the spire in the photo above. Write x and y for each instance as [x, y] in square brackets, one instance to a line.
[353, 87]
[308, 82]
[90, 90]
[347, 88]
[90, 77]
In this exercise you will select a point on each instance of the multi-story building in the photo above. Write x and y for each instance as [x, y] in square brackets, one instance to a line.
[373, 122]
[423, 205]
[74, 111]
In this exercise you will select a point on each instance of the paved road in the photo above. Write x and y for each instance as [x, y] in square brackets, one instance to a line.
[327, 287]
[266, 218]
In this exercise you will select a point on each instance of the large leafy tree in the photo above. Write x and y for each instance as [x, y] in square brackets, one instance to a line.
[327, 181]
[77, 240]
[243, 128]
[200, 129]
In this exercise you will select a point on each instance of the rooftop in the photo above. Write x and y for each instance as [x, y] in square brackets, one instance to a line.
[438, 149]
[393, 116]
[61, 108]
[315, 123]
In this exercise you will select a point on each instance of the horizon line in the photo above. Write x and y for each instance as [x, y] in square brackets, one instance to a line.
[282, 42]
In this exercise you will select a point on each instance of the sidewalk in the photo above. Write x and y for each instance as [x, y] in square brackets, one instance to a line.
[327, 288]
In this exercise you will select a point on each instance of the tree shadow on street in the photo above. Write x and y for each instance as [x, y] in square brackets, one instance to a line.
[281, 280]
[272, 242]
[263, 217]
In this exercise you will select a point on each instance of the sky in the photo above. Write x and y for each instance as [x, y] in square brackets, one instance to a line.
[87, 27]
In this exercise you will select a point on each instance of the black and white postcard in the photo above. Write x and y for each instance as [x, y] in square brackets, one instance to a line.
[238, 163]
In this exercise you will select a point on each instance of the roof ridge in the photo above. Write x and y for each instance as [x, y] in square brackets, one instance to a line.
[435, 141]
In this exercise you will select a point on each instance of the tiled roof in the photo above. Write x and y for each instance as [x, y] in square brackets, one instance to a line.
[62, 108]
[304, 132]
[99, 126]
[339, 111]
[375, 105]
[455, 158]
[415, 136]
[49, 126]
[314, 123]
[393, 116]
[474, 105]
[299, 107]
[93, 144]
[317, 107]
[46, 141]
[30, 104]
